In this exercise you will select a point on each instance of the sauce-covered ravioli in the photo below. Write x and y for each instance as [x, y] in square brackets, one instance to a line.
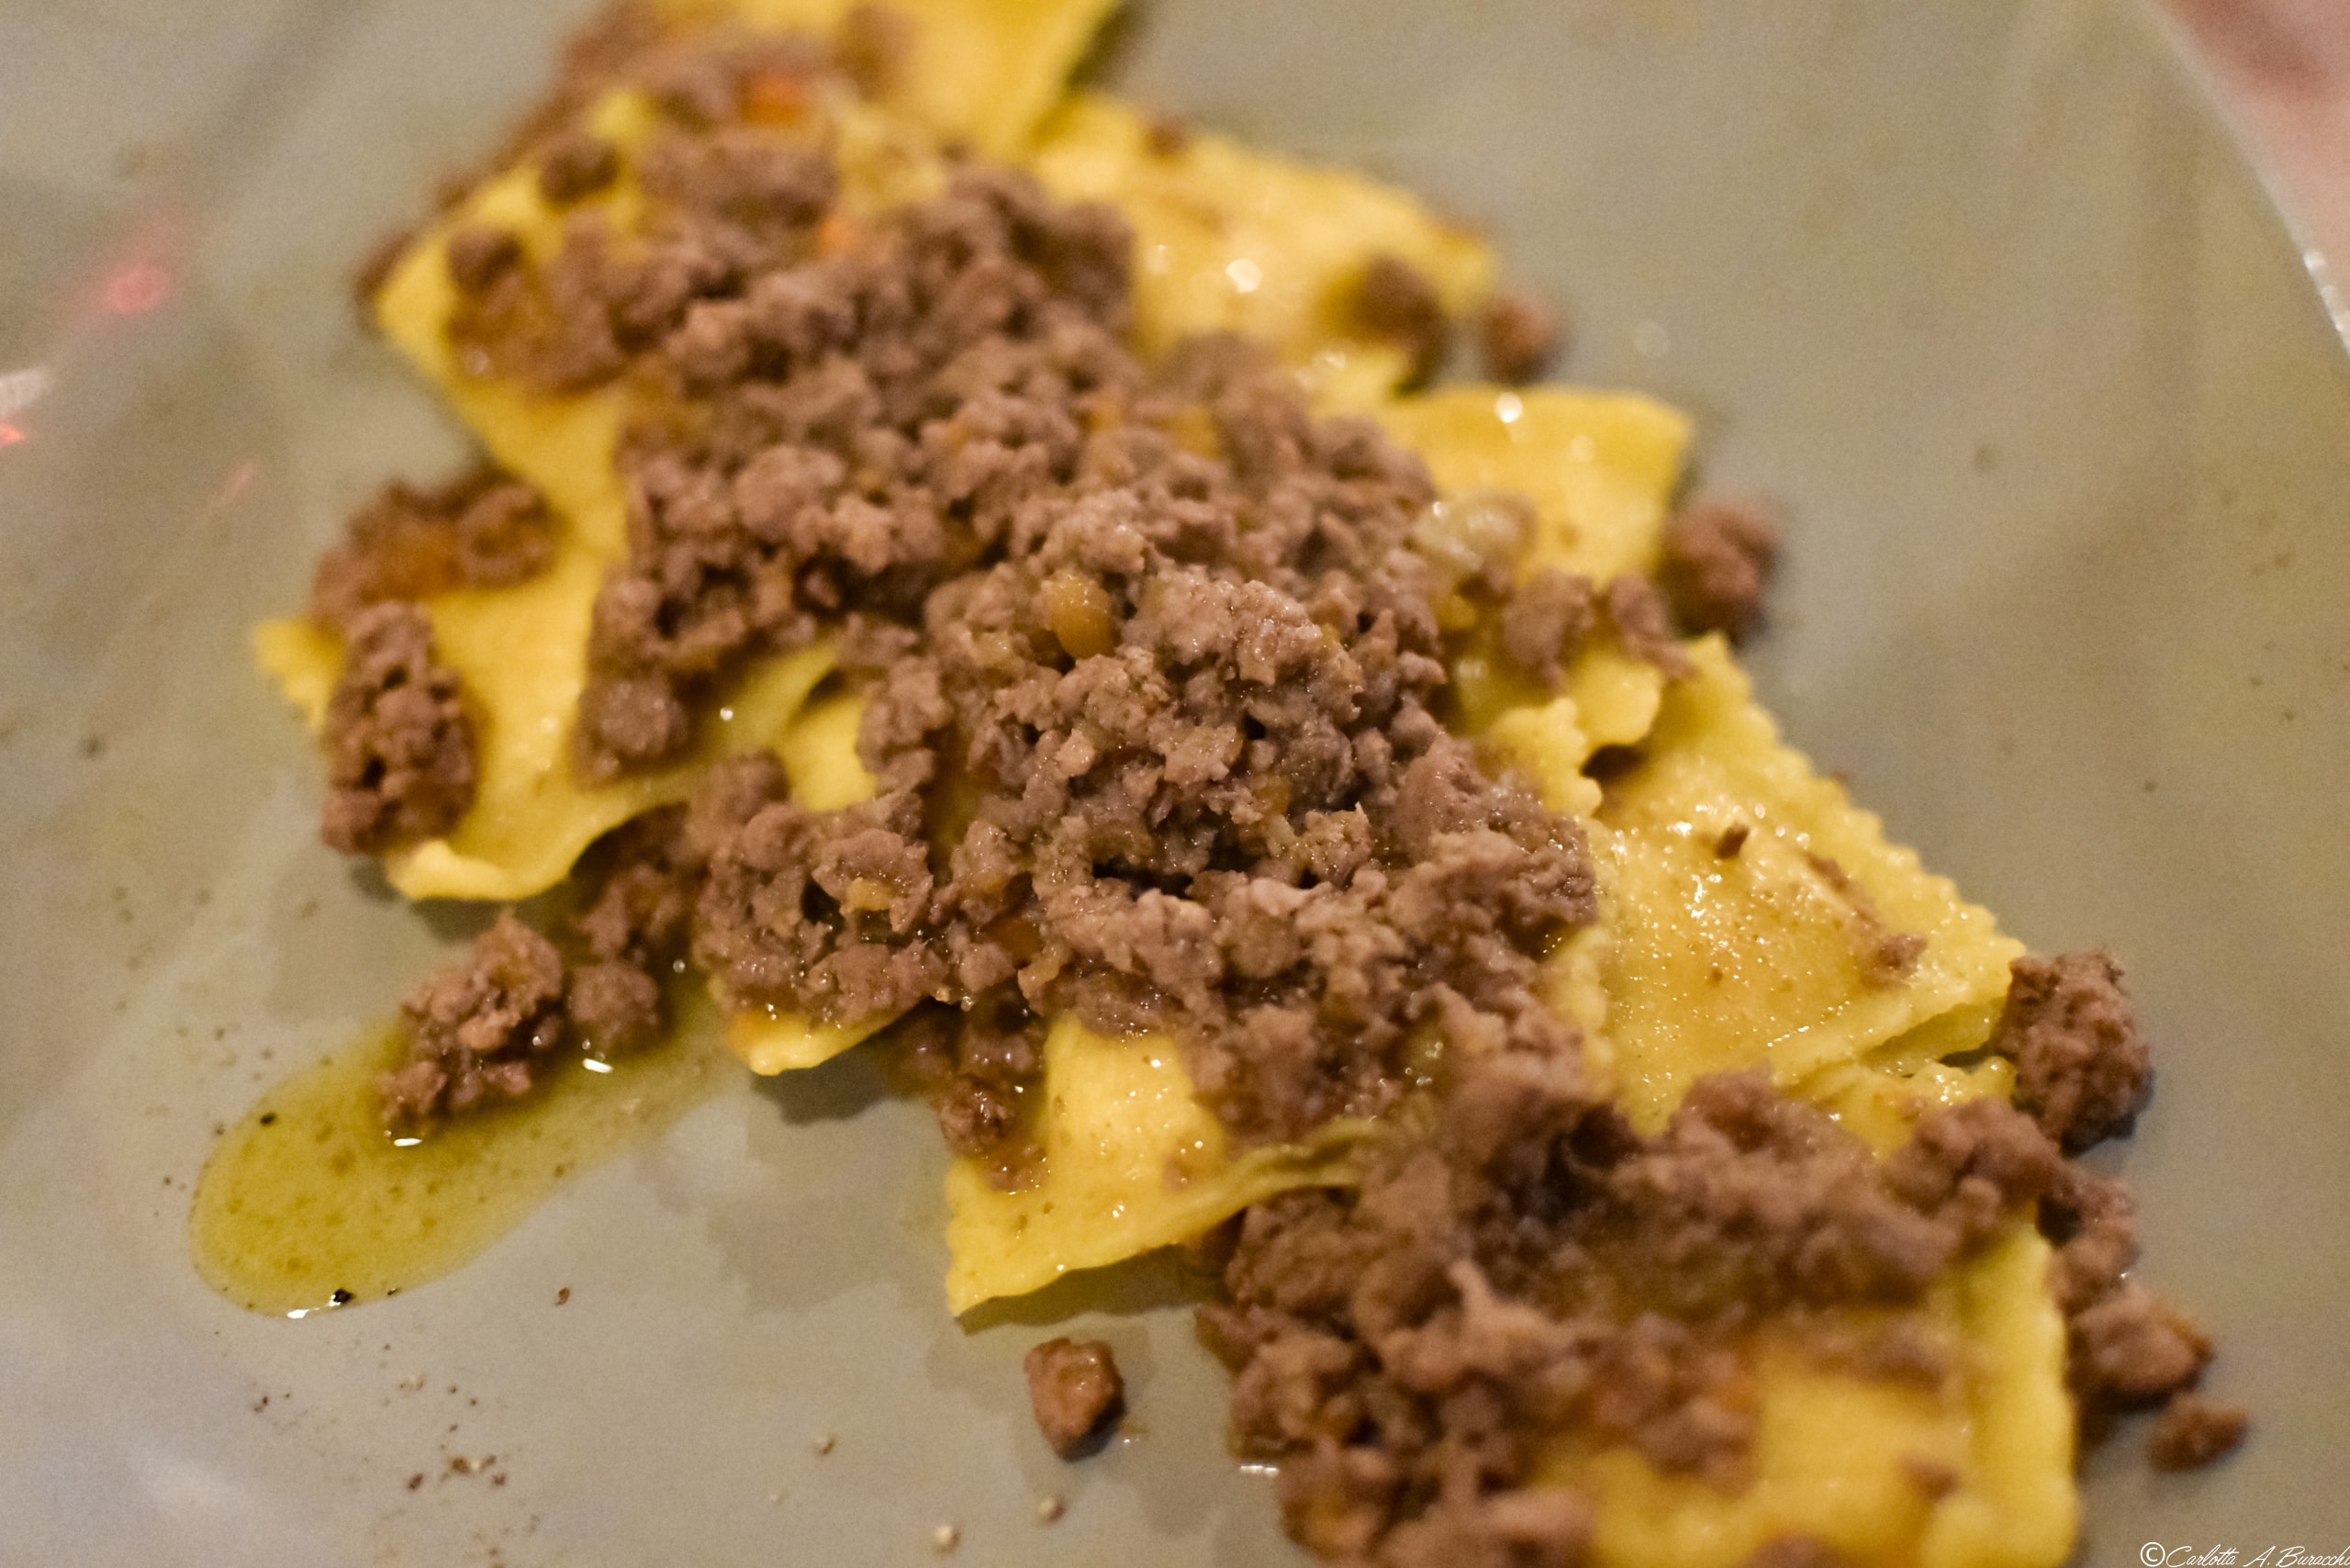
[1749, 918]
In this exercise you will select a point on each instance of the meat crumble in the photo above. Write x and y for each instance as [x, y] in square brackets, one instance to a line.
[2081, 1069]
[1536, 1266]
[477, 1031]
[575, 165]
[2192, 1432]
[1076, 1392]
[1718, 558]
[482, 1031]
[1643, 622]
[1517, 337]
[479, 531]
[1545, 622]
[1394, 300]
[400, 747]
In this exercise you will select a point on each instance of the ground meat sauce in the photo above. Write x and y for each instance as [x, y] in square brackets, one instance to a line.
[1394, 300]
[400, 747]
[1643, 624]
[1201, 786]
[860, 426]
[1717, 567]
[1545, 620]
[2191, 1432]
[1162, 645]
[1076, 1391]
[480, 530]
[1518, 337]
[1153, 678]
[2081, 1068]
[480, 1031]
[1534, 1266]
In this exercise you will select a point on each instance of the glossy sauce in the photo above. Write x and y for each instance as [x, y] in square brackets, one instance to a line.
[309, 1204]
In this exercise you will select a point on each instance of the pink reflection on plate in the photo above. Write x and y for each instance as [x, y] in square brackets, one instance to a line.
[136, 287]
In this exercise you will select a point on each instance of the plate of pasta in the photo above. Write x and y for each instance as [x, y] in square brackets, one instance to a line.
[1004, 780]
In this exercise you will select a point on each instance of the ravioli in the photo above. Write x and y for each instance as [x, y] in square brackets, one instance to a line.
[1600, 467]
[1602, 472]
[1858, 1462]
[1232, 239]
[564, 446]
[1131, 1162]
[523, 653]
[1765, 956]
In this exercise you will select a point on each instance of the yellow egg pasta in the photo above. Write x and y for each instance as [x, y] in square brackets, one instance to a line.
[1548, 743]
[1975, 1474]
[978, 72]
[819, 752]
[1611, 700]
[1776, 956]
[564, 446]
[1131, 1162]
[1599, 467]
[522, 652]
[770, 1042]
[1232, 239]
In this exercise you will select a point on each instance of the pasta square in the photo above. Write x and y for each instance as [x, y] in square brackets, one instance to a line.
[1599, 467]
[522, 654]
[1132, 1162]
[1793, 952]
[1858, 1462]
[1232, 239]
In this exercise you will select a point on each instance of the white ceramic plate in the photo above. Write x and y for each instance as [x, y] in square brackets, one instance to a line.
[1975, 289]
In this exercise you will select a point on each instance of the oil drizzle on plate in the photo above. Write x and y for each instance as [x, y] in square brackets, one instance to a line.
[307, 1203]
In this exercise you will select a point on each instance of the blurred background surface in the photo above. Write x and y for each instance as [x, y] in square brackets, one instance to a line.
[2283, 67]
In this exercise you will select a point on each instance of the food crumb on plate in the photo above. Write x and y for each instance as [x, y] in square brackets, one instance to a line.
[1076, 1392]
